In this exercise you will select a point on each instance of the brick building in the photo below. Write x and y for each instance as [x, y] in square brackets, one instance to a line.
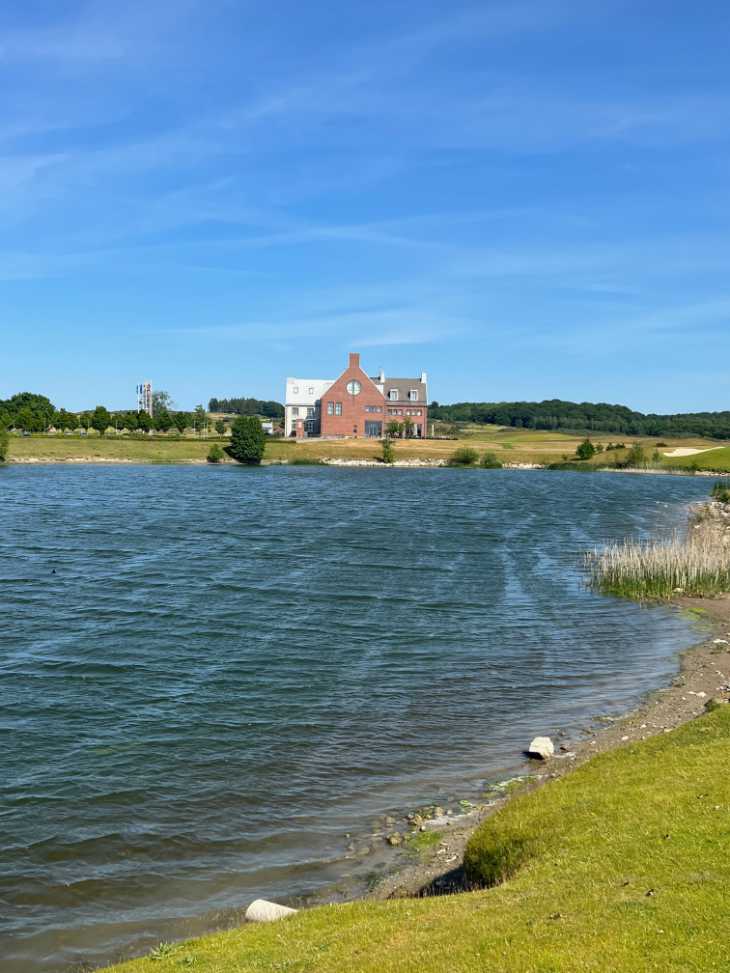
[360, 405]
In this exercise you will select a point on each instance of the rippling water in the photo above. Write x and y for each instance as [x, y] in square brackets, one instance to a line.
[210, 676]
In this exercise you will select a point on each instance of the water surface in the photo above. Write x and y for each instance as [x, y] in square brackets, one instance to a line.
[211, 676]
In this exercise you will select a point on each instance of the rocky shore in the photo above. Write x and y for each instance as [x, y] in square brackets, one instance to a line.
[703, 681]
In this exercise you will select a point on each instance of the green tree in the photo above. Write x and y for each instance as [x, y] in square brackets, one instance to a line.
[4, 444]
[636, 457]
[163, 421]
[100, 419]
[408, 427]
[586, 450]
[84, 420]
[215, 454]
[182, 421]
[248, 441]
[220, 427]
[490, 462]
[200, 420]
[144, 421]
[161, 401]
[388, 450]
[393, 429]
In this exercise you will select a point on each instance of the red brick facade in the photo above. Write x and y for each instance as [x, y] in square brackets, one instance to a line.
[362, 410]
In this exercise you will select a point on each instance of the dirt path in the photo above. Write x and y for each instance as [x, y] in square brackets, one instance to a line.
[704, 674]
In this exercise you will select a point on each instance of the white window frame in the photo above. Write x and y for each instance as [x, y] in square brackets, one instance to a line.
[330, 408]
[393, 395]
[338, 408]
[413, 395]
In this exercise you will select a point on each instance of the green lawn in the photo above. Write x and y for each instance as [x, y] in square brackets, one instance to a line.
[509, 445]
[715, 459]
[621, 866]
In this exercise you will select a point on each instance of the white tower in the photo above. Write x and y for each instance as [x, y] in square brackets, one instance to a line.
[144, 398]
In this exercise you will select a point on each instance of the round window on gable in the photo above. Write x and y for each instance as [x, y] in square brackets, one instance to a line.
[354, 387]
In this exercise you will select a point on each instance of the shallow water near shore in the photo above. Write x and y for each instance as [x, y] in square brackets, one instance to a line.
[211, 675]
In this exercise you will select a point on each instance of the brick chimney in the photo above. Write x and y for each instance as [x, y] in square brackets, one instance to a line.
[354, 359]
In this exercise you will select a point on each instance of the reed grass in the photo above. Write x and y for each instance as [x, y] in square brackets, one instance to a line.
[697, 563]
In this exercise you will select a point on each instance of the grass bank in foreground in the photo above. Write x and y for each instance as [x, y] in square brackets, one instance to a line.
[621, 865]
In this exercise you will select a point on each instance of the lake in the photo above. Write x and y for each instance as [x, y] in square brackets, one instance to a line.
[215, 679]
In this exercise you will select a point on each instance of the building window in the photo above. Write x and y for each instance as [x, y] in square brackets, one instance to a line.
[310, 411]
[374, 429]
[295, 410]
[413, 395]
[393, 395]
[295, 390]
[310, 390]
[338, 408]
[373, 408]
[330, 408]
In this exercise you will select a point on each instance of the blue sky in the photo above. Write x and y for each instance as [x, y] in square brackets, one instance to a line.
[525, 199]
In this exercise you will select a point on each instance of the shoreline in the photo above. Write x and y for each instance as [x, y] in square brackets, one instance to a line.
[703, 673]
[414, 464]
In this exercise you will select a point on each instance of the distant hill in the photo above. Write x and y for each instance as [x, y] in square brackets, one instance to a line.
[585, 416]
[248, 407]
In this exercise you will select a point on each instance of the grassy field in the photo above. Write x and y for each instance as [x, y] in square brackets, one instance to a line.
[621, 865]
[509, 445]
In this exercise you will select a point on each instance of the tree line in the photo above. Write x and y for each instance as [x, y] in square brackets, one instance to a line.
[29, 412]
[584, 416]
[248, 407]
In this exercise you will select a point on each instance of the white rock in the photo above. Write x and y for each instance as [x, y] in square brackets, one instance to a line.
[541, 747]
[262, 911]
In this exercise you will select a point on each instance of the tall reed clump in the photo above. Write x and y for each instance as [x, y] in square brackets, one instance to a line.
[698, 564]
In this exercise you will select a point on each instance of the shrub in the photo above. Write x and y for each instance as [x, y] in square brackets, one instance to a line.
[586, 450]
[4, 444]
[248, 441]
[388, 455]
[490, 462]
[306, 461]
[720, 491]
[215, 454]
[465, 456]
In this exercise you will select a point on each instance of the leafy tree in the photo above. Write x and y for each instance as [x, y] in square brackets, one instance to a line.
[393, 429]
[586, 450]
[388, 450]
[200, 420]
[144, 421]
[408, 427]
[130, 421]
[490, 462]
[215, 454]
[636, 457]
[220, 427]
[162, 401]
[4, 444]
[163, 420]
[182, 421]
[101, 419]
[84, 420]
[248, 441]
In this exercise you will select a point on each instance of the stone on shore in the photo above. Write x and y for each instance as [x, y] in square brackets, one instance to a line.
[262, 911]
[714, 703]
[541, 747]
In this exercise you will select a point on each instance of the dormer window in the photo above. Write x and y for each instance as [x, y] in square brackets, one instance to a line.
[413, 395]
[295, 390]
[393, 395]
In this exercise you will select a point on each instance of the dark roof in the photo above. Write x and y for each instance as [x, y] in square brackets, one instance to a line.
[404, 385]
